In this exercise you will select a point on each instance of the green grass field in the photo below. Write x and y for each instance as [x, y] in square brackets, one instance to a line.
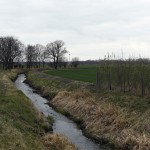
[80, 74]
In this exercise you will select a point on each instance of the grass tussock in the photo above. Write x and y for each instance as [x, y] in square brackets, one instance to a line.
[57, 142]
[115, 118]
[102, 120]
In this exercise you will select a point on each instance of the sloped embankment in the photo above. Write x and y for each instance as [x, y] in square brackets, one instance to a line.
[21, 126]
[120, 120]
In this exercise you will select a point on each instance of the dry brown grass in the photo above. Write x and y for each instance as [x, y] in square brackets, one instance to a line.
[57, 142]
[102, 120]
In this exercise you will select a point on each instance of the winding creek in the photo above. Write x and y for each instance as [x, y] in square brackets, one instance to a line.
[62, 124]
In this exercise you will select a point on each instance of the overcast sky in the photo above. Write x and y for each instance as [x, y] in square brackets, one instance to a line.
[90, 28]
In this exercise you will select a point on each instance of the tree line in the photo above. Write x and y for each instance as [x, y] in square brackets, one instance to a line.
[14, 51]
[38, 54]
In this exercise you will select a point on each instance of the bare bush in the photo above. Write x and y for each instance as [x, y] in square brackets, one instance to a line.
[75, 62]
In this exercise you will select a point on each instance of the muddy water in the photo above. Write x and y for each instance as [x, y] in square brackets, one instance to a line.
[62, 124]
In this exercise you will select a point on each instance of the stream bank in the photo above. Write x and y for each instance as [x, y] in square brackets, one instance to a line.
[62, 124]
[21, 125]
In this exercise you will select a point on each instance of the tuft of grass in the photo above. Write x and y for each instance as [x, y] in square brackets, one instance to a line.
[57, 142]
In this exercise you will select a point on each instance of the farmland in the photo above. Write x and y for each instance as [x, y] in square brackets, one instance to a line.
[81, 74]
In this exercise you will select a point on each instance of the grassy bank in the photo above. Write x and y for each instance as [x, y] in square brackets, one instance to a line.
[118, 119]
[21, 126]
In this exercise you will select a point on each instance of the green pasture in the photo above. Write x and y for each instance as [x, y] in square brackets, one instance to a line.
[80, 74]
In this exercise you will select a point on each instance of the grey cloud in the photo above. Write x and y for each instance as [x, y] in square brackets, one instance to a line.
[85, 25]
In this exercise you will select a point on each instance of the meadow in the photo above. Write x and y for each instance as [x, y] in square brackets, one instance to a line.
[81, 74]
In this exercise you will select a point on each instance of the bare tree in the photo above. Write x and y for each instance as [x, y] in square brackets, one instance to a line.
[31, 56]
[39, 52]
[55, 51]
[10, 48]
[75, 62]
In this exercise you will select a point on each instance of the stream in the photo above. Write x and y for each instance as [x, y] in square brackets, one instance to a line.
[62, 125]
